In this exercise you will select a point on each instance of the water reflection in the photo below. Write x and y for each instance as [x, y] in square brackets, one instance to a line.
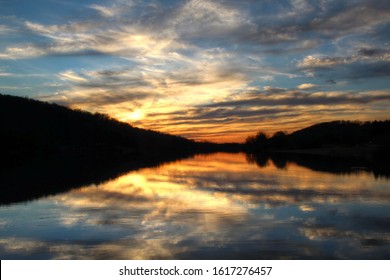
[48, 176]
[379, 166]
[207, 207]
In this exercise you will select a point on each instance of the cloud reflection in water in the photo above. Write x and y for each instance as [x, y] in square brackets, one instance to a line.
[212, 207]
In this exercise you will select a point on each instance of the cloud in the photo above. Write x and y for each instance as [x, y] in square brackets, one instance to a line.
[359, 17]
[5, 74]
[296, 98]
[105, 11]
[199, 22]
[368, 70]
[188, 23]
[374, 52]
[271, 108]
[363, 63]
[114, 103]
[116, 92]
[193, 23]
[321, 62]
[93, 38]
[215, 115]
[306, 86]
[72, 76]
[160, 87]
[365, 55]
[21, 52]
[112, 79]
[4, 29]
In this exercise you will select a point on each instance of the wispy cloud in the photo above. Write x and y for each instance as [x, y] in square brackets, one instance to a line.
[71, 76]
[106, 11]
[4, 29]
[369, 55]
[306, 86]
[364, 63]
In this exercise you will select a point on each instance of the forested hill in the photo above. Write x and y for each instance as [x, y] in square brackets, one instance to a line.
[347, 133]
[374, 134]
[35, 128]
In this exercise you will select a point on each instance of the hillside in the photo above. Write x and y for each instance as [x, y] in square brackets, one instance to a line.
[344, 133]
[343, 137]
[31, 128]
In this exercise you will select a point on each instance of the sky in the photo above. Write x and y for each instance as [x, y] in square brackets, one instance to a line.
[206, 70]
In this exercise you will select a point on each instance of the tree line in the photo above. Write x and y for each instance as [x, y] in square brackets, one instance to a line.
[31, 128]
[34, 128]
[322, 135]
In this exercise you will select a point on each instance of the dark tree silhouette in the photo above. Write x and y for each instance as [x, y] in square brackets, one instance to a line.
[259, 142]
[34, 128]
[337, 133]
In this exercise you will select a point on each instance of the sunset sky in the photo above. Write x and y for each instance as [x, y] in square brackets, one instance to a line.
[207, 70]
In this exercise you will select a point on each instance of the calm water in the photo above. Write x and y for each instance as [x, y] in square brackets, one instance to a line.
[218, 206]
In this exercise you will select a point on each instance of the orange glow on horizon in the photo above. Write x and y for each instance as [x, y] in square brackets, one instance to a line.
[232, 133]
[182, 120]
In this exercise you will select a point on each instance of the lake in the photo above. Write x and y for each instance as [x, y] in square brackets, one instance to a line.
[216, 206]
